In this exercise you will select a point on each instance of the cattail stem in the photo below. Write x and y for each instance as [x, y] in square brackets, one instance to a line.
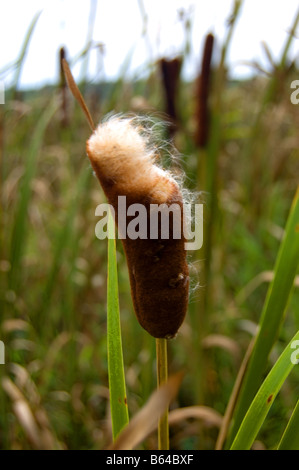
[162, 373]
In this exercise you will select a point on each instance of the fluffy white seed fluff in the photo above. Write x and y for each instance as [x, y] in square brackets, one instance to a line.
[120, 150]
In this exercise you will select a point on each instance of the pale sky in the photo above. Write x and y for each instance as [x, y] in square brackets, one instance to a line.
[119, 26]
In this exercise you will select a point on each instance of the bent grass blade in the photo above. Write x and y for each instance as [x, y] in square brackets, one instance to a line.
[264, 398]
[146, 420]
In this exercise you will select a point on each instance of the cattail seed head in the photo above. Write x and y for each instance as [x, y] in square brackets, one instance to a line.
[125, 165]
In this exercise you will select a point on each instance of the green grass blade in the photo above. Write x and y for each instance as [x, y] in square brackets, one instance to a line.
[264, 398]
[277, 300]
[21, 218]
[65, 241]
[290, 437]
[117, 387]
[64, 236]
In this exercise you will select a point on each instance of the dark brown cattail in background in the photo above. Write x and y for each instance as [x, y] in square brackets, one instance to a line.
[202, 94]
[170, 71]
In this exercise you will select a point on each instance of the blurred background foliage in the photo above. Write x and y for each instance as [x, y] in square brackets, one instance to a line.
[54, 389]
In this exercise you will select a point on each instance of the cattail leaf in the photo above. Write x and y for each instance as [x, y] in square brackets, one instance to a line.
[264, 398]
[118, 399]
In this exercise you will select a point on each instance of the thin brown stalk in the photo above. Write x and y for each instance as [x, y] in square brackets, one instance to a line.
[162, 375]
